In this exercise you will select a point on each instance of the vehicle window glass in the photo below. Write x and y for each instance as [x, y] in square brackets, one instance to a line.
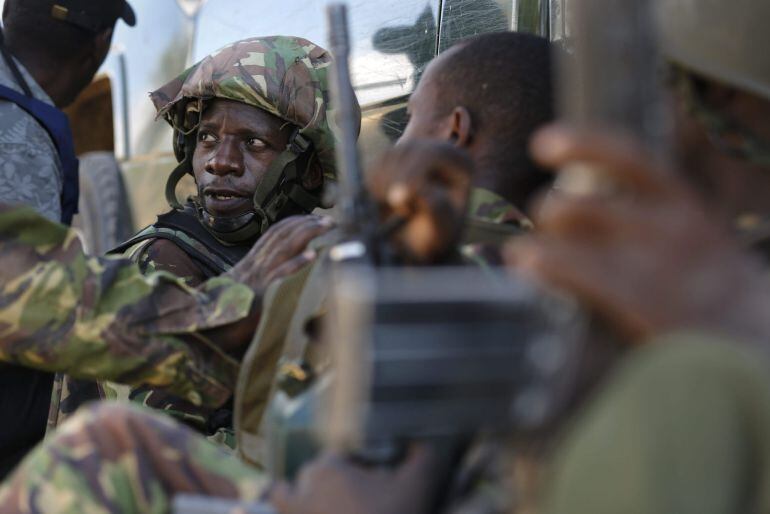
[461, 19]
[390, 43]
[561, 20]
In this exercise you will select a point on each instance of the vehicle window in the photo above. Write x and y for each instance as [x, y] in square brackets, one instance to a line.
[391, 44]
[461, 19]
[465, 18]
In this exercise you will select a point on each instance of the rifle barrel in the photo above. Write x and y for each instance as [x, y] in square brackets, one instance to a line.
[352, 189]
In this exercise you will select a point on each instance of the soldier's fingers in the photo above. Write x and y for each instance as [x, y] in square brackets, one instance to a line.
[443, 181]
[617, 157]
[279, 231]
[586, 218]
[408, 167]
[295, 242]
[291, 266]
[576, 270]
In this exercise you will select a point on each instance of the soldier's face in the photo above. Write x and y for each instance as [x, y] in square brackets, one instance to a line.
[427, 119]
[422, 110]
[236, 145]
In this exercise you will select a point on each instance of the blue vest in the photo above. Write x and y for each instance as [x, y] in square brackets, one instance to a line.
[56, 123]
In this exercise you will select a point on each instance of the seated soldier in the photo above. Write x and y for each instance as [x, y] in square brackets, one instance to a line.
[260, 149]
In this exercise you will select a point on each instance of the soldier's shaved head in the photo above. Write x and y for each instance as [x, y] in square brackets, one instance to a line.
[503, 82]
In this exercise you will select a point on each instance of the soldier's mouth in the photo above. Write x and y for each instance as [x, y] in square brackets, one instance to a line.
[223, 197]
[226, 202]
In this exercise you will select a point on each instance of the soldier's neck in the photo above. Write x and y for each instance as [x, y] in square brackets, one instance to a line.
[492, 180]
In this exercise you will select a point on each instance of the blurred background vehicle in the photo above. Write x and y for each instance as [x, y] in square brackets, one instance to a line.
[126, 155]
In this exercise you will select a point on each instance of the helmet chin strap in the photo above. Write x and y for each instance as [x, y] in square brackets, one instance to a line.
[230, 229]
[278, 194]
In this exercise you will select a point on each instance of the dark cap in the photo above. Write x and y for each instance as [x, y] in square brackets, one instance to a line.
[93, 15]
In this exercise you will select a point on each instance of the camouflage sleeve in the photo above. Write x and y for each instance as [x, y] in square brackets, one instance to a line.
[100, 318]
[118, 460]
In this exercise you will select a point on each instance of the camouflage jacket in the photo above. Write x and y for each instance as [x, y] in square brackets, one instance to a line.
[194, 256]
[99, 318]
[491, 219]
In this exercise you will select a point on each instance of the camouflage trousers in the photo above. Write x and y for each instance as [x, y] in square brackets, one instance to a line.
[114, 459]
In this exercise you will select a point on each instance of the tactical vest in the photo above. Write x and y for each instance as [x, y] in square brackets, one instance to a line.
[182, 228]
[212, 257]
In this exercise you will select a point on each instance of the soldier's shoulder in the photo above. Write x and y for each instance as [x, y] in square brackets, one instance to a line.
[696, 353]
[165, 255]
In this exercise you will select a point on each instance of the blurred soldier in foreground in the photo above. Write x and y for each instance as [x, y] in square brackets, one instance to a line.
[251, 127]
[50, 53]
[429, 178]
[682, 423]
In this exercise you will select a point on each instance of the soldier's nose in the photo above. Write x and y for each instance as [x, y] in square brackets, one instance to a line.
[227, 159]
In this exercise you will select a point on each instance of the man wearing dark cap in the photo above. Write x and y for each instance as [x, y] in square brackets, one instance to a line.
[51, 50]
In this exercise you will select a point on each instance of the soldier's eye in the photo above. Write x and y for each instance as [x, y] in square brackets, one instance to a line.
[206, 137]
[256, 143]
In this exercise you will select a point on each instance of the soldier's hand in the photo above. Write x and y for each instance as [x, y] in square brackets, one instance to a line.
[646, 256]
[281, 251]
[332, 484]
[423, 185]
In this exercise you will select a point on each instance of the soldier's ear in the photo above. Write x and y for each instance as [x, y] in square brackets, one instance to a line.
[460, 127]
[313, 178]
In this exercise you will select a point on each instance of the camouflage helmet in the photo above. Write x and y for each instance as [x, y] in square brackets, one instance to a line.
[718, 39]
[285, 76]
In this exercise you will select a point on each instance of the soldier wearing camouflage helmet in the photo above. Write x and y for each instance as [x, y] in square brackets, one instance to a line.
[251, 126]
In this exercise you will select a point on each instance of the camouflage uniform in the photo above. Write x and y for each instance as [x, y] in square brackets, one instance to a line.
[97, 465]
[100, 318]
[284, 76]
[112, 458]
